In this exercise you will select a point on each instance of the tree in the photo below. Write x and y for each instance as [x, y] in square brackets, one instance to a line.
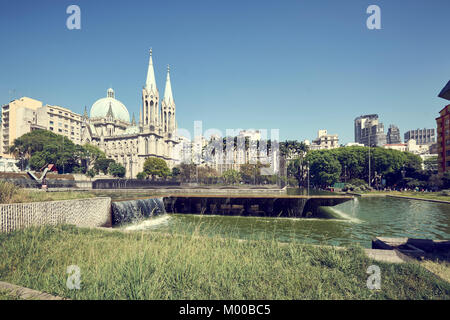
[231, 176]
[293, 149]
[116, 170]
[91, 154]
[251, 173]
[42, 147]
[91, 173]
[176, 172]
[102, 164]
[188, 172]
[207, 174]
[325, 169]
[141, 176]
[156, 167]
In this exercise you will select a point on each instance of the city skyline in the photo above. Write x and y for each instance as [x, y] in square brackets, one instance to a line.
[236, 80]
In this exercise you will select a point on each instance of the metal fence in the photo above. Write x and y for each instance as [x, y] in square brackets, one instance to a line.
[132, 184]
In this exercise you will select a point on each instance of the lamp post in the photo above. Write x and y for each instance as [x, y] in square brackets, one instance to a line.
[369, 159]
[308, 175]
[403, 175]
[345, 173]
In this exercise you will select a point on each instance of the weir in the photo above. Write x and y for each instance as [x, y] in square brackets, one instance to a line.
[297, 206]
[134, 210]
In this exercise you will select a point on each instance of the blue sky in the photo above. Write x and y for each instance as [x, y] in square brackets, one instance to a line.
[298, 66]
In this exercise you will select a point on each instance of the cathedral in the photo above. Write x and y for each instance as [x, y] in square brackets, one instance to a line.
[129, 143]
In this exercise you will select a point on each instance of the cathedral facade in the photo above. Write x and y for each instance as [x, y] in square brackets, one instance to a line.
[129, 142]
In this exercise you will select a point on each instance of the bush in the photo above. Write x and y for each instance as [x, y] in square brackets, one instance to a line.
[141, 176]
[116, 170]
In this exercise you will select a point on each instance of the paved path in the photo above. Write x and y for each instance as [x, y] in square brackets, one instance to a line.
[26, 293]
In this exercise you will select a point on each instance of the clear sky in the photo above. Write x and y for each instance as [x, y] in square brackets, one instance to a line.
[298, 66]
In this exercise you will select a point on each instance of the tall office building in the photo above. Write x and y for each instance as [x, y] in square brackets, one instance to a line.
[369, 131]
[393, 135]
[422, 136]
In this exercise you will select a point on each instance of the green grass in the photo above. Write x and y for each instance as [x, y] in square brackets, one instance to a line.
[117, 265]
[10, 193]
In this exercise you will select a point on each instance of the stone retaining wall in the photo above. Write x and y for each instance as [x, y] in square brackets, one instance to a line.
[94, 212]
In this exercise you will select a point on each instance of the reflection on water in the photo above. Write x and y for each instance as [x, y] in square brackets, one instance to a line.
[358, 221]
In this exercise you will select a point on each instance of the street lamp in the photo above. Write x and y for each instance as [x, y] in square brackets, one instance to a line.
[308, 175]
[345, 173]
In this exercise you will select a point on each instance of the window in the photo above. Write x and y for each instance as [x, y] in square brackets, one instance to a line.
[51, 128]
[51, 122]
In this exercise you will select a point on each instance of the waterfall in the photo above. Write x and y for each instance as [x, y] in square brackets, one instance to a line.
[135, 210]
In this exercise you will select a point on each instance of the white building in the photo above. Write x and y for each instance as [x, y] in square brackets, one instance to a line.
[130, 143]
[325, 141]
[24, 115]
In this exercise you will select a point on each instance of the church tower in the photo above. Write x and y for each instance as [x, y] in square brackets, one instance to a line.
[168, 108]
[150, 100]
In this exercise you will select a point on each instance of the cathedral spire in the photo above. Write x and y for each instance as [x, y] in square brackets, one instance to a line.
[168, 97]
[133, 121]
[85, 114]
[110, 114]
[150, 84]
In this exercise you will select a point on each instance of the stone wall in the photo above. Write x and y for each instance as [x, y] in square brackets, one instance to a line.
[94, 212]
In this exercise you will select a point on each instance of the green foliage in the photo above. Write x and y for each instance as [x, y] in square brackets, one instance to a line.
[251, 173]
[292, 148]
[102, 165]
[116, 170]
[207, 175]
[176, 171]
[41, 147]
[188, 172]
[156, 167]
[91, 154]
[141, 176]
[325, 169]
[231, 176]
[354, 164]
[91, 173]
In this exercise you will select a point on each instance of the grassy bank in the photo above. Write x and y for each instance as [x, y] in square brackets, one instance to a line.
[10, 193]
[116, 265]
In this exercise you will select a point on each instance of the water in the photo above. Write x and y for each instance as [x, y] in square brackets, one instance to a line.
[136, 210]
[356, 222]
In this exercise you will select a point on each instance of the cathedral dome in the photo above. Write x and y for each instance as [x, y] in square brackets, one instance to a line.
[101, 107]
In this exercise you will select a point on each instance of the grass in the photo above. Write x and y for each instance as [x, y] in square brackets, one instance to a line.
[10, 193]
[439, 267]
[139, 265]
